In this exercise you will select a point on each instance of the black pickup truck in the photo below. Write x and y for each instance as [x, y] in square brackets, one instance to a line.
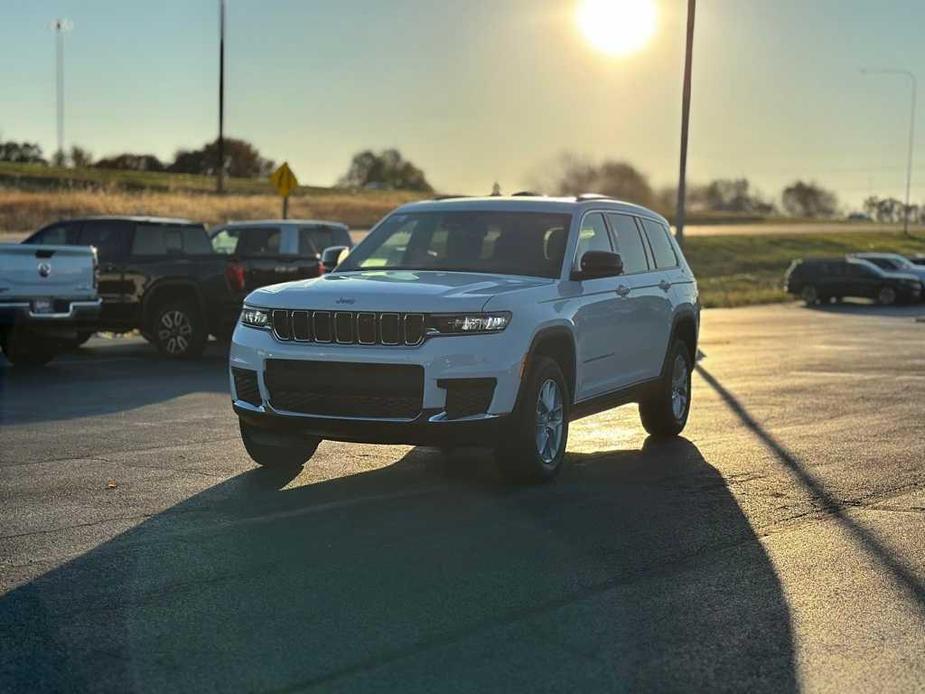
[158, 275]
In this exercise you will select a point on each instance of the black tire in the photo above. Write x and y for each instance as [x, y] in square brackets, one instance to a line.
[178, 330]
[277, 451]
[809, 294]
[886, 295]
[28, 350]
[662, 414]
[518, 455]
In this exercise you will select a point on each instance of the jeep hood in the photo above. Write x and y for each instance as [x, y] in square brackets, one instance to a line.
[393, 290]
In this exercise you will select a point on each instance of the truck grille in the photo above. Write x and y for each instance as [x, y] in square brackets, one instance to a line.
[349, 327]
[345, 389]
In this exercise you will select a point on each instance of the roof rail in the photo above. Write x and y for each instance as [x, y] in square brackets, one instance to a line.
[593, 196]
[448, 197]
[526, 194]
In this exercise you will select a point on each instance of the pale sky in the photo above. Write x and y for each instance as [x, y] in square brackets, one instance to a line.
[481, 90]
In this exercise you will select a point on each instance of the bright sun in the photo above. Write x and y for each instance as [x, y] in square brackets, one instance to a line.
[617, 27]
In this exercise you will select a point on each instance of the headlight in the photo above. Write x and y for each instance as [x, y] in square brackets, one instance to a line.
[468, 323]
[255, 317]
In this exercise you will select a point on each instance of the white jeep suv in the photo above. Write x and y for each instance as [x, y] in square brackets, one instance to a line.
[473, 321]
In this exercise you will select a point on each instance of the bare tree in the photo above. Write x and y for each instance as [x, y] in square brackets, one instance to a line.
[803, 199]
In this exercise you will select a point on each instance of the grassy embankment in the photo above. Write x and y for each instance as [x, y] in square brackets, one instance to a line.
[745, 270]
[733, 270]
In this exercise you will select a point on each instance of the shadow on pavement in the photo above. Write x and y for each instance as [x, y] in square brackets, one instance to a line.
[851, 308]
[902, 576]
[105, 379]
[635, 570]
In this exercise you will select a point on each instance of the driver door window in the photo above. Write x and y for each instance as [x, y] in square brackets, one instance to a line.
[592, 236]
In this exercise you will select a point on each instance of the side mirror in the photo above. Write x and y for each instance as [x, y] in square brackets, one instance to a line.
[594, 264]
[333, 256]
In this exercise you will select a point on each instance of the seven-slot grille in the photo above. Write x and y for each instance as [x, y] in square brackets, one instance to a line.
[348, 327]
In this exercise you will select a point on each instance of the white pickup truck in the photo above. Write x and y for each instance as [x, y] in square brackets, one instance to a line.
[48, 300]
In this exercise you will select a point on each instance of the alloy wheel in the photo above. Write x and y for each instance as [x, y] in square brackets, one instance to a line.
[175, 332]
[680, 387]
[549, 421]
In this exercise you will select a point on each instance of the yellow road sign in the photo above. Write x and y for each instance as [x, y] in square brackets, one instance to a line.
[284, 180]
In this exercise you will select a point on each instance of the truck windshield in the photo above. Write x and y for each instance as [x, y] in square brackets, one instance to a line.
[507, 243]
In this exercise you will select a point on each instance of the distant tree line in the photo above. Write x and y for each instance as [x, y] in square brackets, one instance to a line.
[891, 210]
[241, 159]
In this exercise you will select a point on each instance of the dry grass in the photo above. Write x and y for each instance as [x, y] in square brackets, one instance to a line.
[22, 211]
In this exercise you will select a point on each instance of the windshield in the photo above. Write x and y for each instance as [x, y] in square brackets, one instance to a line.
[507, 243]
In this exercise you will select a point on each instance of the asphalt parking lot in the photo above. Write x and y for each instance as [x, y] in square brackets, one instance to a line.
[779, 546]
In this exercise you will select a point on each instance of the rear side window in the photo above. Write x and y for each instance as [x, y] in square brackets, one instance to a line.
[57, 235]
[258, 241]
[110, 236]
[196, 241]
[661, 245]
[629, 243]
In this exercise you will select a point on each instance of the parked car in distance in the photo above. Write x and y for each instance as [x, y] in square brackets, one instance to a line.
[483, 321]
[818, 280]
[270, 251]
[917, 260]
[893, 262]
[48, 300]
[157, 275]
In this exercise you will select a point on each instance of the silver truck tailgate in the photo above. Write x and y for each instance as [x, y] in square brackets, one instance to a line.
[30, 271]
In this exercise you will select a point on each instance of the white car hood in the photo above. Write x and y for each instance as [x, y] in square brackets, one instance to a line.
[393, 290]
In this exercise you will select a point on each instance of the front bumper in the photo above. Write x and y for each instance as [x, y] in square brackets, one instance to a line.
[441, 358]
[428, 429]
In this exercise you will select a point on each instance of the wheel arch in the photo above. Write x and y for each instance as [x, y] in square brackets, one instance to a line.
[558, 343]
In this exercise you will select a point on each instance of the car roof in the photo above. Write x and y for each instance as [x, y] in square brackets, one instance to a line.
[530, 203]
[132, 218]
[252, 222]
[887, 256]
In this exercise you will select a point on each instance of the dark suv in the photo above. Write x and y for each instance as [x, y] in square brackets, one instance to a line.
[818, 280]
[158, 275]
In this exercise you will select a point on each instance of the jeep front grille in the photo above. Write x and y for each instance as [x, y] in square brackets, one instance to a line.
[349, 327]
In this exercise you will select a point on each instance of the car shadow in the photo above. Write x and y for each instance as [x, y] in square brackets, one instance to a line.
[635, 570]
[102, 378]
[859, 308]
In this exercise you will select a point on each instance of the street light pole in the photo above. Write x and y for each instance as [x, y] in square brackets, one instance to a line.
[685, 121]
[914, 84]
[220, 182]
[60, 26]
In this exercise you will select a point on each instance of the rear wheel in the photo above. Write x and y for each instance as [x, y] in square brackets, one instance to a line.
[273, 450]
[178, 330]
[24, 349]
[534, 446]
[809, 294]
[665, 413]
[886, 296]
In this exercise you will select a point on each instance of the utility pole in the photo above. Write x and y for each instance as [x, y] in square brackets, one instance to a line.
[60, 26]
[685, 122]
[913, 82]
[220, 182]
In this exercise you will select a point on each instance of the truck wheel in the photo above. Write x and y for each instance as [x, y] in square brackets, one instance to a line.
[665, 413]
[533, 447]
[178, 330]
[886, 296]
[28, 350]
[276, 451]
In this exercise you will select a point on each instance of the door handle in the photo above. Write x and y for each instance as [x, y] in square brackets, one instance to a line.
[664, 285]
[623, 290]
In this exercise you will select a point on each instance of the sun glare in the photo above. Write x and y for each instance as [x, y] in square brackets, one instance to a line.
[617, 27]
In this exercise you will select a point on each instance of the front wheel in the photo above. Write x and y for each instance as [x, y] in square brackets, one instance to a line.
[178, 330]
[665, 413]
[276, 450]
[534, 446]
[886, 296]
